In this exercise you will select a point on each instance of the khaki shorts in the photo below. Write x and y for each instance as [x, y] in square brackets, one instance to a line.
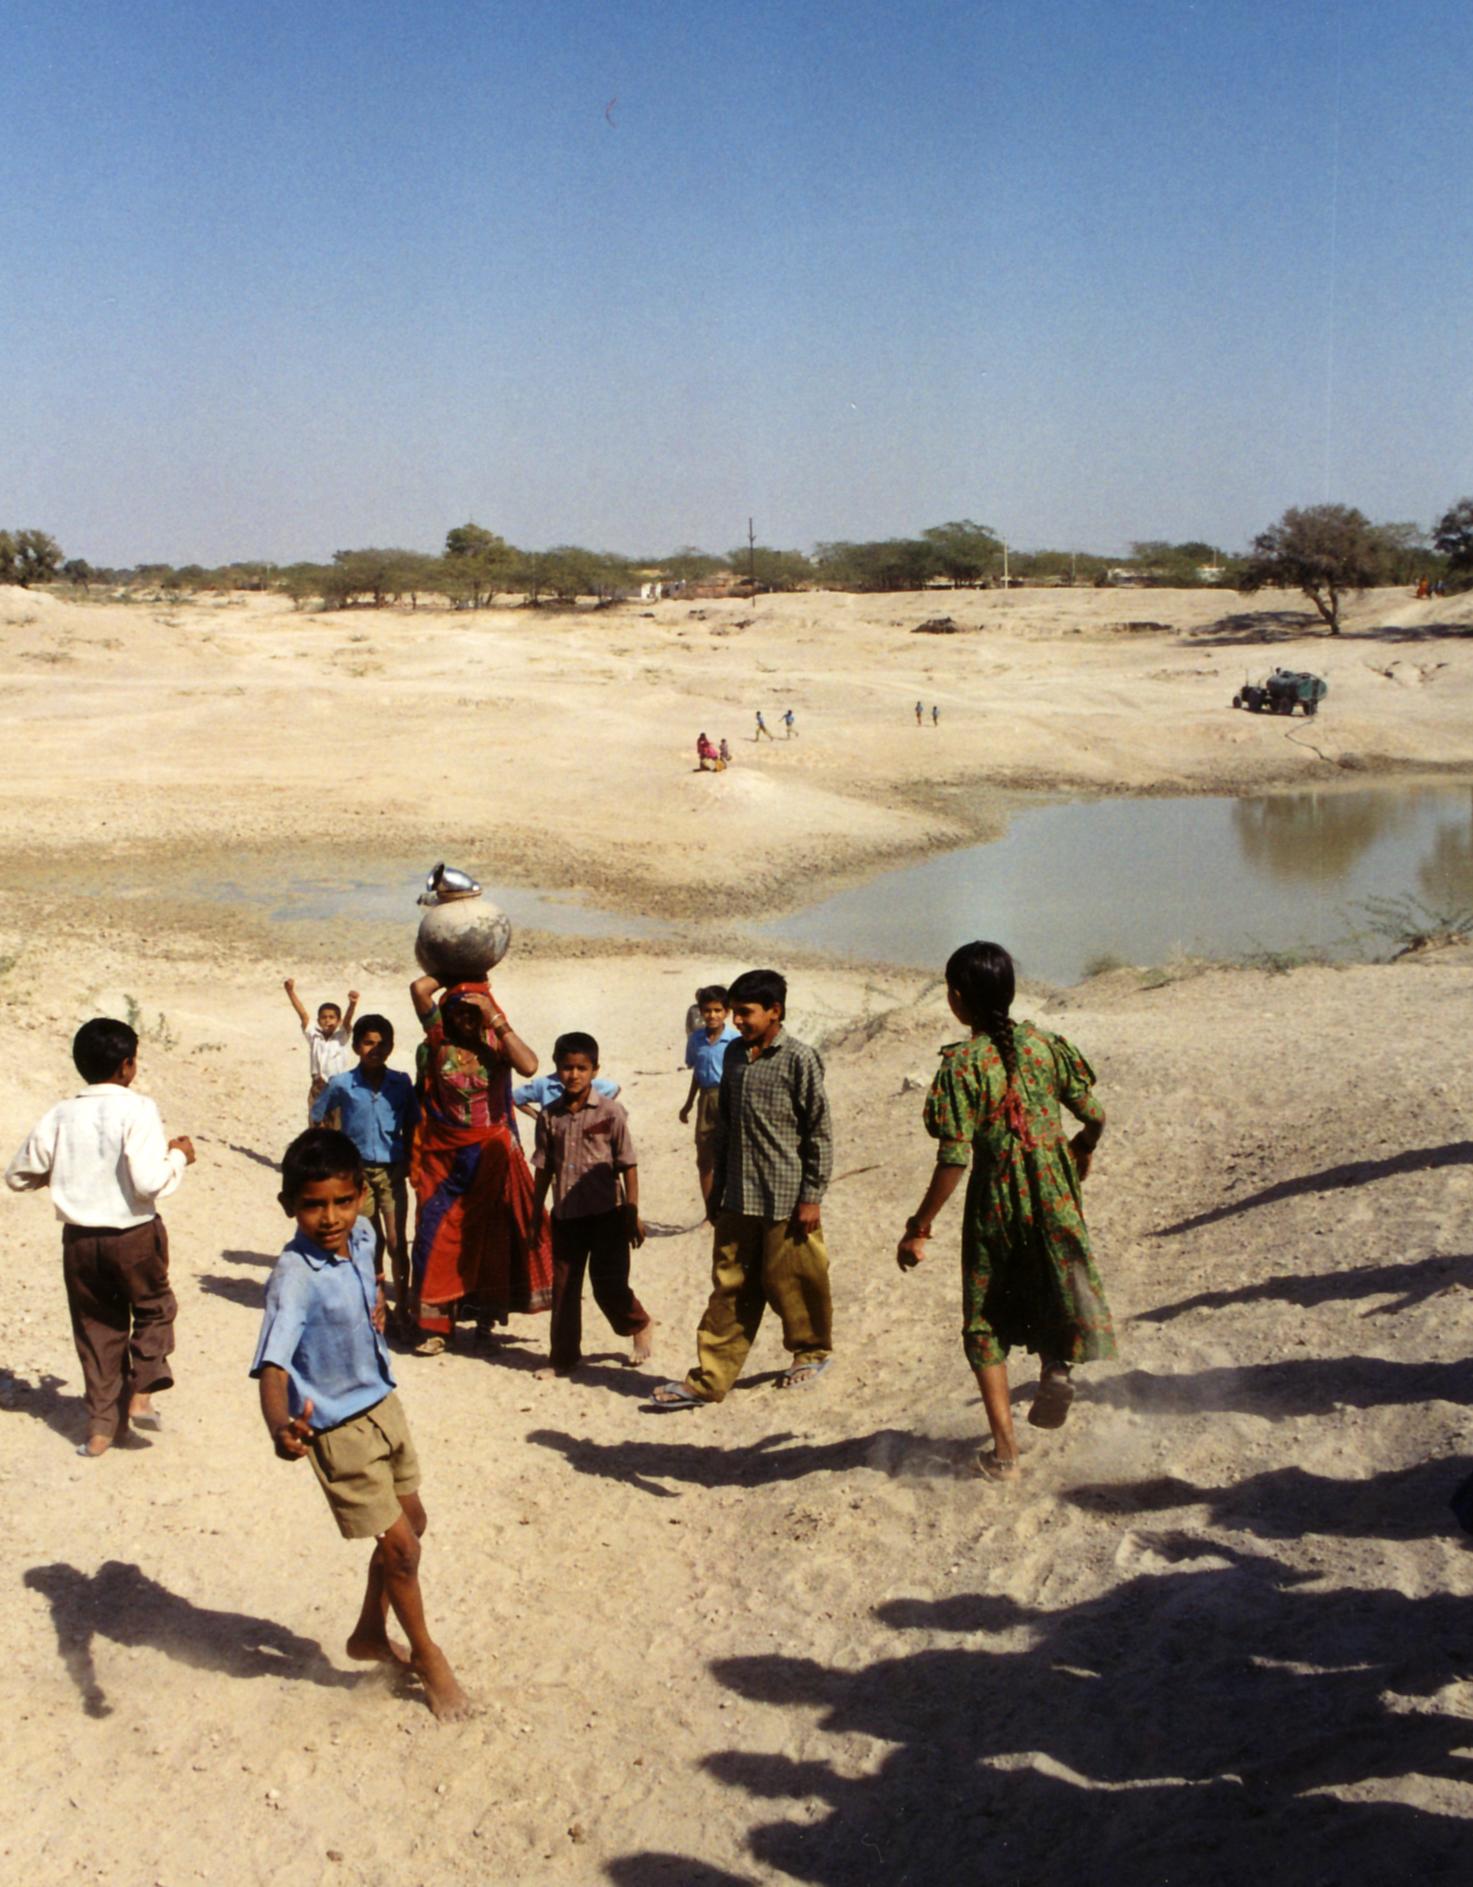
[364, 1465]
[707, 1100]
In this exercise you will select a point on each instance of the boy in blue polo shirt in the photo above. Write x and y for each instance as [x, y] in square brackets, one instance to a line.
[705, 1050]
[376, 1109]
[327, 1392]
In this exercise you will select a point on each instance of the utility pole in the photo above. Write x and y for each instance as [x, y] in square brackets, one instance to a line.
[751, 557]
[1005, 582]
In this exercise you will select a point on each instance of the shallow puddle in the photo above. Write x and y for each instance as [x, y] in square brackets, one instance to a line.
[1141, 880]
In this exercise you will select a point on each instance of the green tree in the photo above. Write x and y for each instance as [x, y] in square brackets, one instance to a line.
[773, 569]
[690, 565]
[28, 557]
[965, 552]
[478, 562]
[77, 570]
[1453, 536]
[1322, 551]
[893, 563]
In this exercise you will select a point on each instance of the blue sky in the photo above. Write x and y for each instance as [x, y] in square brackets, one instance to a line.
[286, 276]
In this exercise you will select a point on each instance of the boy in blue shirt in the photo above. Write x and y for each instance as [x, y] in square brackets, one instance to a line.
[705, 1050]
[531, 1097]
[327, 1392]
[376, 1109]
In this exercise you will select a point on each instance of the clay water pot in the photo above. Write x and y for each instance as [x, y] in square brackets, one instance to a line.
[462, 935]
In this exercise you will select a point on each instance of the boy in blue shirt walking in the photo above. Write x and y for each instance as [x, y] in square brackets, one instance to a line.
[705, 1050]
[327, 1392]
[376, 1108]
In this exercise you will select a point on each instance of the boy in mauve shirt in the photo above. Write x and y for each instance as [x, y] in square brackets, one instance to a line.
[105, 1159]
[583, 1157]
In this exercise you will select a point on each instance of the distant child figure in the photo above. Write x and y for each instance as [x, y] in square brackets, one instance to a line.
[327, 1039]
[584, 1154]
[764, 732]
[531, 1097]
[705, 1051]
[327, 1392]
[723, 753]
[104, 1156]
[377, 1108]
[707, 756]
[935, 717]
[773, 1157]
[790, 723]
[920, 713]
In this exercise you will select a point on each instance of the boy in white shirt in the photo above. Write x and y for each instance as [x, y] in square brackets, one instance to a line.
[329, 1042]
[104, 1156]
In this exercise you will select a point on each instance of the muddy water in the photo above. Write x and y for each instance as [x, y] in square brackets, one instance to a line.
[1143, 879]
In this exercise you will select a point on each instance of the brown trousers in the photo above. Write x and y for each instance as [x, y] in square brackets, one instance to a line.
[117, 1289]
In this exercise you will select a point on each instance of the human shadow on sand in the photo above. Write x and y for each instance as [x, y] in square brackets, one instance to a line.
[1295, 1386]
[1179, 1727]
[1406, 1284]
[120, 1602]
[264, 1258]
[1331, 1179]
[43, 1402]
[1287, 1503]
[771, 1460]
[249, 1293]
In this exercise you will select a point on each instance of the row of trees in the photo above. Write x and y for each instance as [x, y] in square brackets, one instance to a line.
[1326, 551]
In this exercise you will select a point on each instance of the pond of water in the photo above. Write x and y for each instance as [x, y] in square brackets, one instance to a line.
[392, 900]
[1143, 879]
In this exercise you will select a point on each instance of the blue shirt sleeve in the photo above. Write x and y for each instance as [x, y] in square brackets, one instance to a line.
[285, 1318]
[327, 1100]
[610, 1088]
[692, 1046]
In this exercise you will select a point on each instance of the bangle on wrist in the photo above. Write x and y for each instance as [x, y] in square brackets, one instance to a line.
[914, 1228]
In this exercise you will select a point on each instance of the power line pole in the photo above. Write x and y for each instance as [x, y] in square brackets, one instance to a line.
[751, 557]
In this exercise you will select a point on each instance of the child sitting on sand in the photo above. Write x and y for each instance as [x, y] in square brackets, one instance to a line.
[327, 1039]
[584, 1151]
[327, 1392]
[104, 1156]
[705, 1050]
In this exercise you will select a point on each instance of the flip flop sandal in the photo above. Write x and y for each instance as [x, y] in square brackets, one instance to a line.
[1052, 1403]
[803, 1375]
[674, 1395]
[430, 1346]
[994, 1467]
[150, 1419]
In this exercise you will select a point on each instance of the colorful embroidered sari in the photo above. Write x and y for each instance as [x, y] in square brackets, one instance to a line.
[475, 1254]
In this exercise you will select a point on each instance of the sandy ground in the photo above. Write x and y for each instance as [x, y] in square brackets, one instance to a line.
[1224, 1626]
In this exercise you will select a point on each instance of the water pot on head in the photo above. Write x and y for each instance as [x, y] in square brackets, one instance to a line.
[462, 935]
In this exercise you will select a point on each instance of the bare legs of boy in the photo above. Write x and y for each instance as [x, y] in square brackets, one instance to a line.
[393, 1580]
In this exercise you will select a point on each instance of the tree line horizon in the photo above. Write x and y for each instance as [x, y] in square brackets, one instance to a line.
[1325, 551]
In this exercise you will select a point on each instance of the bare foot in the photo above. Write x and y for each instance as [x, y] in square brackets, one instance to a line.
[95, 1445]
[377, 1648]
[548, 1374]
[448, 1701]
[644, 1344]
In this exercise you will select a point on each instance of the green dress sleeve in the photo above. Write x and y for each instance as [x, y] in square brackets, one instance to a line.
[1076, 1081]
[954, 1106]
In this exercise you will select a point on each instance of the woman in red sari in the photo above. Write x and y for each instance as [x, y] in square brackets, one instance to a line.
[476, 1254]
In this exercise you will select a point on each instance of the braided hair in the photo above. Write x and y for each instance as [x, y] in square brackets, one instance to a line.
[982, 978]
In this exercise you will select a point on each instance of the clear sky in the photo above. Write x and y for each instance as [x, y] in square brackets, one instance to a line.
[280, 277]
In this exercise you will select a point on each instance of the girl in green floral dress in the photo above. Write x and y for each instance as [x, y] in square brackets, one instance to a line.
[1027, 1274]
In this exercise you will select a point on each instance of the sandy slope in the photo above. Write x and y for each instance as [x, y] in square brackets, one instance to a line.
[1219, 1632]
